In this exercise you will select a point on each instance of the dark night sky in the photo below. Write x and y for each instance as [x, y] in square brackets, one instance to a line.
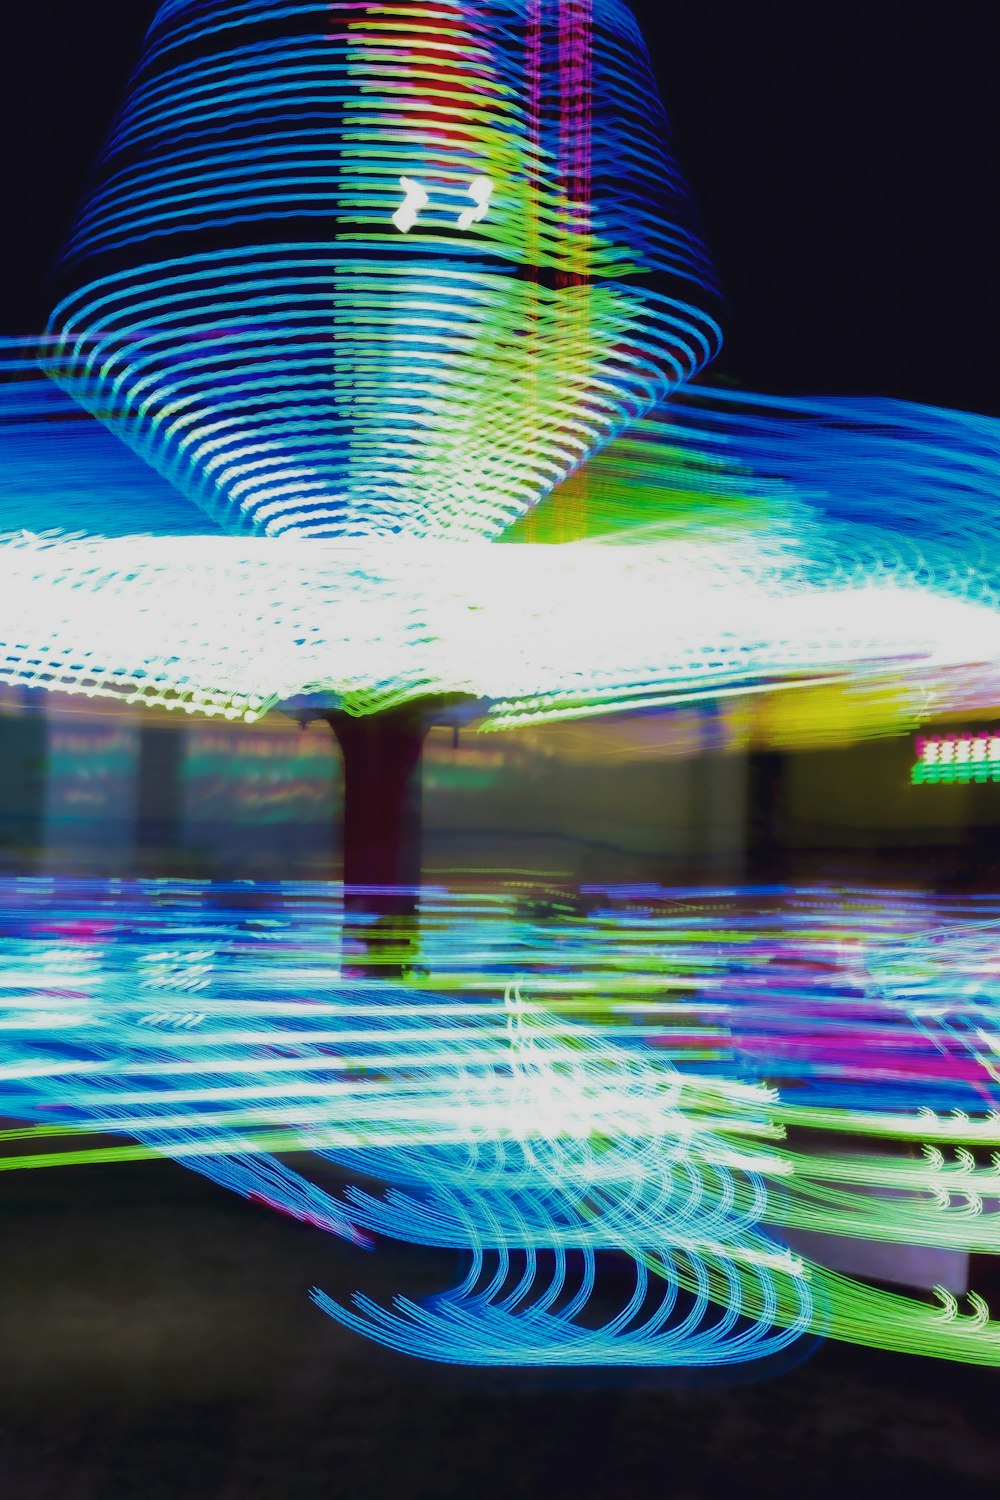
[844, 155]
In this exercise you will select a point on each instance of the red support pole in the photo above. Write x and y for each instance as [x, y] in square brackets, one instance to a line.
[382, 828]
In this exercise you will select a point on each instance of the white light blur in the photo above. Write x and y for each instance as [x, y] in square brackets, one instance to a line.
[231, 626]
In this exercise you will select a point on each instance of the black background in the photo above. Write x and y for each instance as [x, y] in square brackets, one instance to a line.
[844, 156]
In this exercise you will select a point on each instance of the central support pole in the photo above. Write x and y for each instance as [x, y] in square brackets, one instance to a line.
[382, 829]
[382, 791]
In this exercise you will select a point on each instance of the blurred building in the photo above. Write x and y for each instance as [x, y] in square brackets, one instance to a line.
[687, 796]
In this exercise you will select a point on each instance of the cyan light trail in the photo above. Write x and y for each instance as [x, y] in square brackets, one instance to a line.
[63, 473]
[619, 1080]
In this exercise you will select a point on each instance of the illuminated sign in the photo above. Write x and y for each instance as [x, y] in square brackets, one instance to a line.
[957, 757]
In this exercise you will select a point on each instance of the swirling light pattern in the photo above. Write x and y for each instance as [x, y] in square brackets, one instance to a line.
[706, 564]
[558, 1080]
[370, 288]
[356, 271]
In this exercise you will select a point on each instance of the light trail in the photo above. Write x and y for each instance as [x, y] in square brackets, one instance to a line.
[510, 1110]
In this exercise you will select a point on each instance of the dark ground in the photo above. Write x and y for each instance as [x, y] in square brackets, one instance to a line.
[157, 1341]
